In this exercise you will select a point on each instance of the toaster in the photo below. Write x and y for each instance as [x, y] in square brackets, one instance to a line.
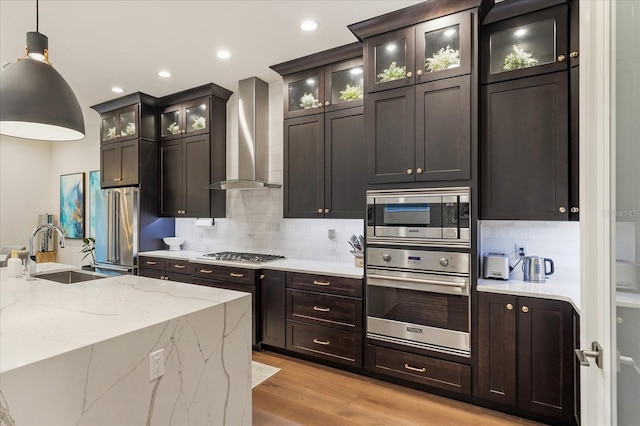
[496, 265]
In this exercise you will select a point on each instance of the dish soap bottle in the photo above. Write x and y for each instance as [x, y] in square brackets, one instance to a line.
[14, 265]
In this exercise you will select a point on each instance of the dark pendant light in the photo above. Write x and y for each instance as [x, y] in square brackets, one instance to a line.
[35, 101]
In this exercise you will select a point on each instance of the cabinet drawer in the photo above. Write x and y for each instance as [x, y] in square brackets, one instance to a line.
[226, 274]
[179, 267]
[151, 263]
[151, 273]
[325, 309]
[326, 343]
[326, 284]
[181, 278]
[421, 369]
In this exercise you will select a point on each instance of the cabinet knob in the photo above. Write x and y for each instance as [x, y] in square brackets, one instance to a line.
[575, 209]
[561, 58]
[525, 309]
[574, 55]
[327, 103]
[319, 210]
[409, 74]
[419, 170]
[326, 210]
[262, 276]
[409, 171]
[419, 72]
[562, 209]
[509, 306]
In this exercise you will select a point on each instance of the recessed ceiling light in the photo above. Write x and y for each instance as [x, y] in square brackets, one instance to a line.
[164, 74]
[520, 32]
[450, 32]
[117, 89]
[223, 54]
[309, 25]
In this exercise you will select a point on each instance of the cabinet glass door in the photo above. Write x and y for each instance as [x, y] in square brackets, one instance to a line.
[108, 130]
[390, 63]
[443, 47]
[128, 122]
[344, 85]
[196, 115]
[304, 93]
[170, 124]
[527, 45]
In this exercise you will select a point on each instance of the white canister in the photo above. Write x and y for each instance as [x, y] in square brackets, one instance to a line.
[14, 265]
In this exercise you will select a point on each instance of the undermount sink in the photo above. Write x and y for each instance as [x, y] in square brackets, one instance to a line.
[69, 277]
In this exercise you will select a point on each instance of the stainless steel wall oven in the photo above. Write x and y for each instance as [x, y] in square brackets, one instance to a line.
[417, 288]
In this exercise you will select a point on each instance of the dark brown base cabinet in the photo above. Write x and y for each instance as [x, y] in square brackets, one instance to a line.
[525, 355]
[165, 269]
[273, 308]
[324, 317]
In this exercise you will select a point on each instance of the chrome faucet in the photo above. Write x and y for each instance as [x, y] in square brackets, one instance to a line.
[32, 253]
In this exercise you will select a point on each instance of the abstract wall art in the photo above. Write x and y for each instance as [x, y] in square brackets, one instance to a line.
[72, 205]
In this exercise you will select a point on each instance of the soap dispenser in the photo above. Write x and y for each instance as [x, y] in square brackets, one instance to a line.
[14, 265]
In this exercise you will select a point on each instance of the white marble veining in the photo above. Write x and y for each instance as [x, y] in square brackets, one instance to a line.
[79, 353]
[338, 269]
[567, 291]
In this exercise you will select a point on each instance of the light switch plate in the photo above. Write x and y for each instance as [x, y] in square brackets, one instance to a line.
[156, 364]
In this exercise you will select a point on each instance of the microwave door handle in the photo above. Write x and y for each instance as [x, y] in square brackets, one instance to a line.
[456, 284]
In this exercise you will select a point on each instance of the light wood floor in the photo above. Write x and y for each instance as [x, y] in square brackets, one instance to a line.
[304, 393]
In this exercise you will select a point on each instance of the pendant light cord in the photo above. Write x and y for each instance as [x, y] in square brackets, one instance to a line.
[37, 17]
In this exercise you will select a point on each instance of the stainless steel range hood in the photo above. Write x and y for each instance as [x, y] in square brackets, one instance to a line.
[253, 138]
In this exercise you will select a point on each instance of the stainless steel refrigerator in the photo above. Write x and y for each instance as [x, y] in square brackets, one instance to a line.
[124, 227]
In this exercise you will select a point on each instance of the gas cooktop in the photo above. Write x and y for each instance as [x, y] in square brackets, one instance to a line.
[242, 257]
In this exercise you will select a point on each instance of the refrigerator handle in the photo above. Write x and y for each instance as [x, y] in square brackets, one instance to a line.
[110, 230]
[116, 227]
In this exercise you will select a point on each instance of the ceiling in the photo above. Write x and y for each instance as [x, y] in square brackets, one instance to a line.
[97, 44]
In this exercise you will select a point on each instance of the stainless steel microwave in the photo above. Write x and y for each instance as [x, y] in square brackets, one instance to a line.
[433, 217]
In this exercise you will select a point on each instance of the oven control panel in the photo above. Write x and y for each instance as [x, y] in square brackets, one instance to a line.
[423, 260]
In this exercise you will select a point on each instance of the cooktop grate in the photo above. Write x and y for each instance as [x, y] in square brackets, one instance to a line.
[242, 257]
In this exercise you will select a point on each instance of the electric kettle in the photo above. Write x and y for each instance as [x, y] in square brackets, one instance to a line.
[535, 269]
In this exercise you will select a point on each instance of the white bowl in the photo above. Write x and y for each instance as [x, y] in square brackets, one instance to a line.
[174, 243]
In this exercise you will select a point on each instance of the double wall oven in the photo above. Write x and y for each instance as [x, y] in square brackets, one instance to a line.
[418, 268]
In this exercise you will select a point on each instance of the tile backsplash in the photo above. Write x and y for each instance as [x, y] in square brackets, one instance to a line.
[559, 241]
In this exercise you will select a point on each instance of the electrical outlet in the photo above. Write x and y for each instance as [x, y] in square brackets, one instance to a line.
[156, 364]
[521, 249]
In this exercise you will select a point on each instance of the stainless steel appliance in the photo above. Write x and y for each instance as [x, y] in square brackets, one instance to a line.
[241, 257]
[419, 298]
[535, 269]
[496, 265]
[426, 217]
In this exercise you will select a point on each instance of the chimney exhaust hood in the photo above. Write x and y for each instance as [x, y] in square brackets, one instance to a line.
[253, 138]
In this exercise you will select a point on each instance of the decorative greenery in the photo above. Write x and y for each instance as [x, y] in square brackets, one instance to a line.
[173, 128]
[351, 93]
[198, 123]
[89, 249]
[443, 59]
[308, 101]
[111, 133]
[130, 129]
[394, 72]
[518, 59]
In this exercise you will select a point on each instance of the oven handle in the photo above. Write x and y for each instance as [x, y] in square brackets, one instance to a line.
[414, 283]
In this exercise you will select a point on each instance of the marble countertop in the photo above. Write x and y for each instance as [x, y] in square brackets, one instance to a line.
[41, 319]
[338, 269]
[567, 291]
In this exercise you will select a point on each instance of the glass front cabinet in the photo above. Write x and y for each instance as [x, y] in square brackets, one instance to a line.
[531, 44]
[324, 89]
[185, 119]
[119, 125]
[434, 50]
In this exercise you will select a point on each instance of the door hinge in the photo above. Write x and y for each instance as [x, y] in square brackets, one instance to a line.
[595, 352]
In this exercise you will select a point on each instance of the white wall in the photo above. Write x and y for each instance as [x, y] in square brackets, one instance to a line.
[254, 220]
[559, 241]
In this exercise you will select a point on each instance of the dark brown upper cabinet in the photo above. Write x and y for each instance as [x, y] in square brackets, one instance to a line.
[436, 49]
[119, 125]
[185, 119]
[531, 44]
[420, 133]
[325, 89]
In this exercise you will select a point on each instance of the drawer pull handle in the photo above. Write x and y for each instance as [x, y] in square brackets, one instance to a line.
[233, 274]
[417, 370]
[321, 282]
[206, 271]
[318, 308]
[149, 262]
[321, 342]
[179, 266]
